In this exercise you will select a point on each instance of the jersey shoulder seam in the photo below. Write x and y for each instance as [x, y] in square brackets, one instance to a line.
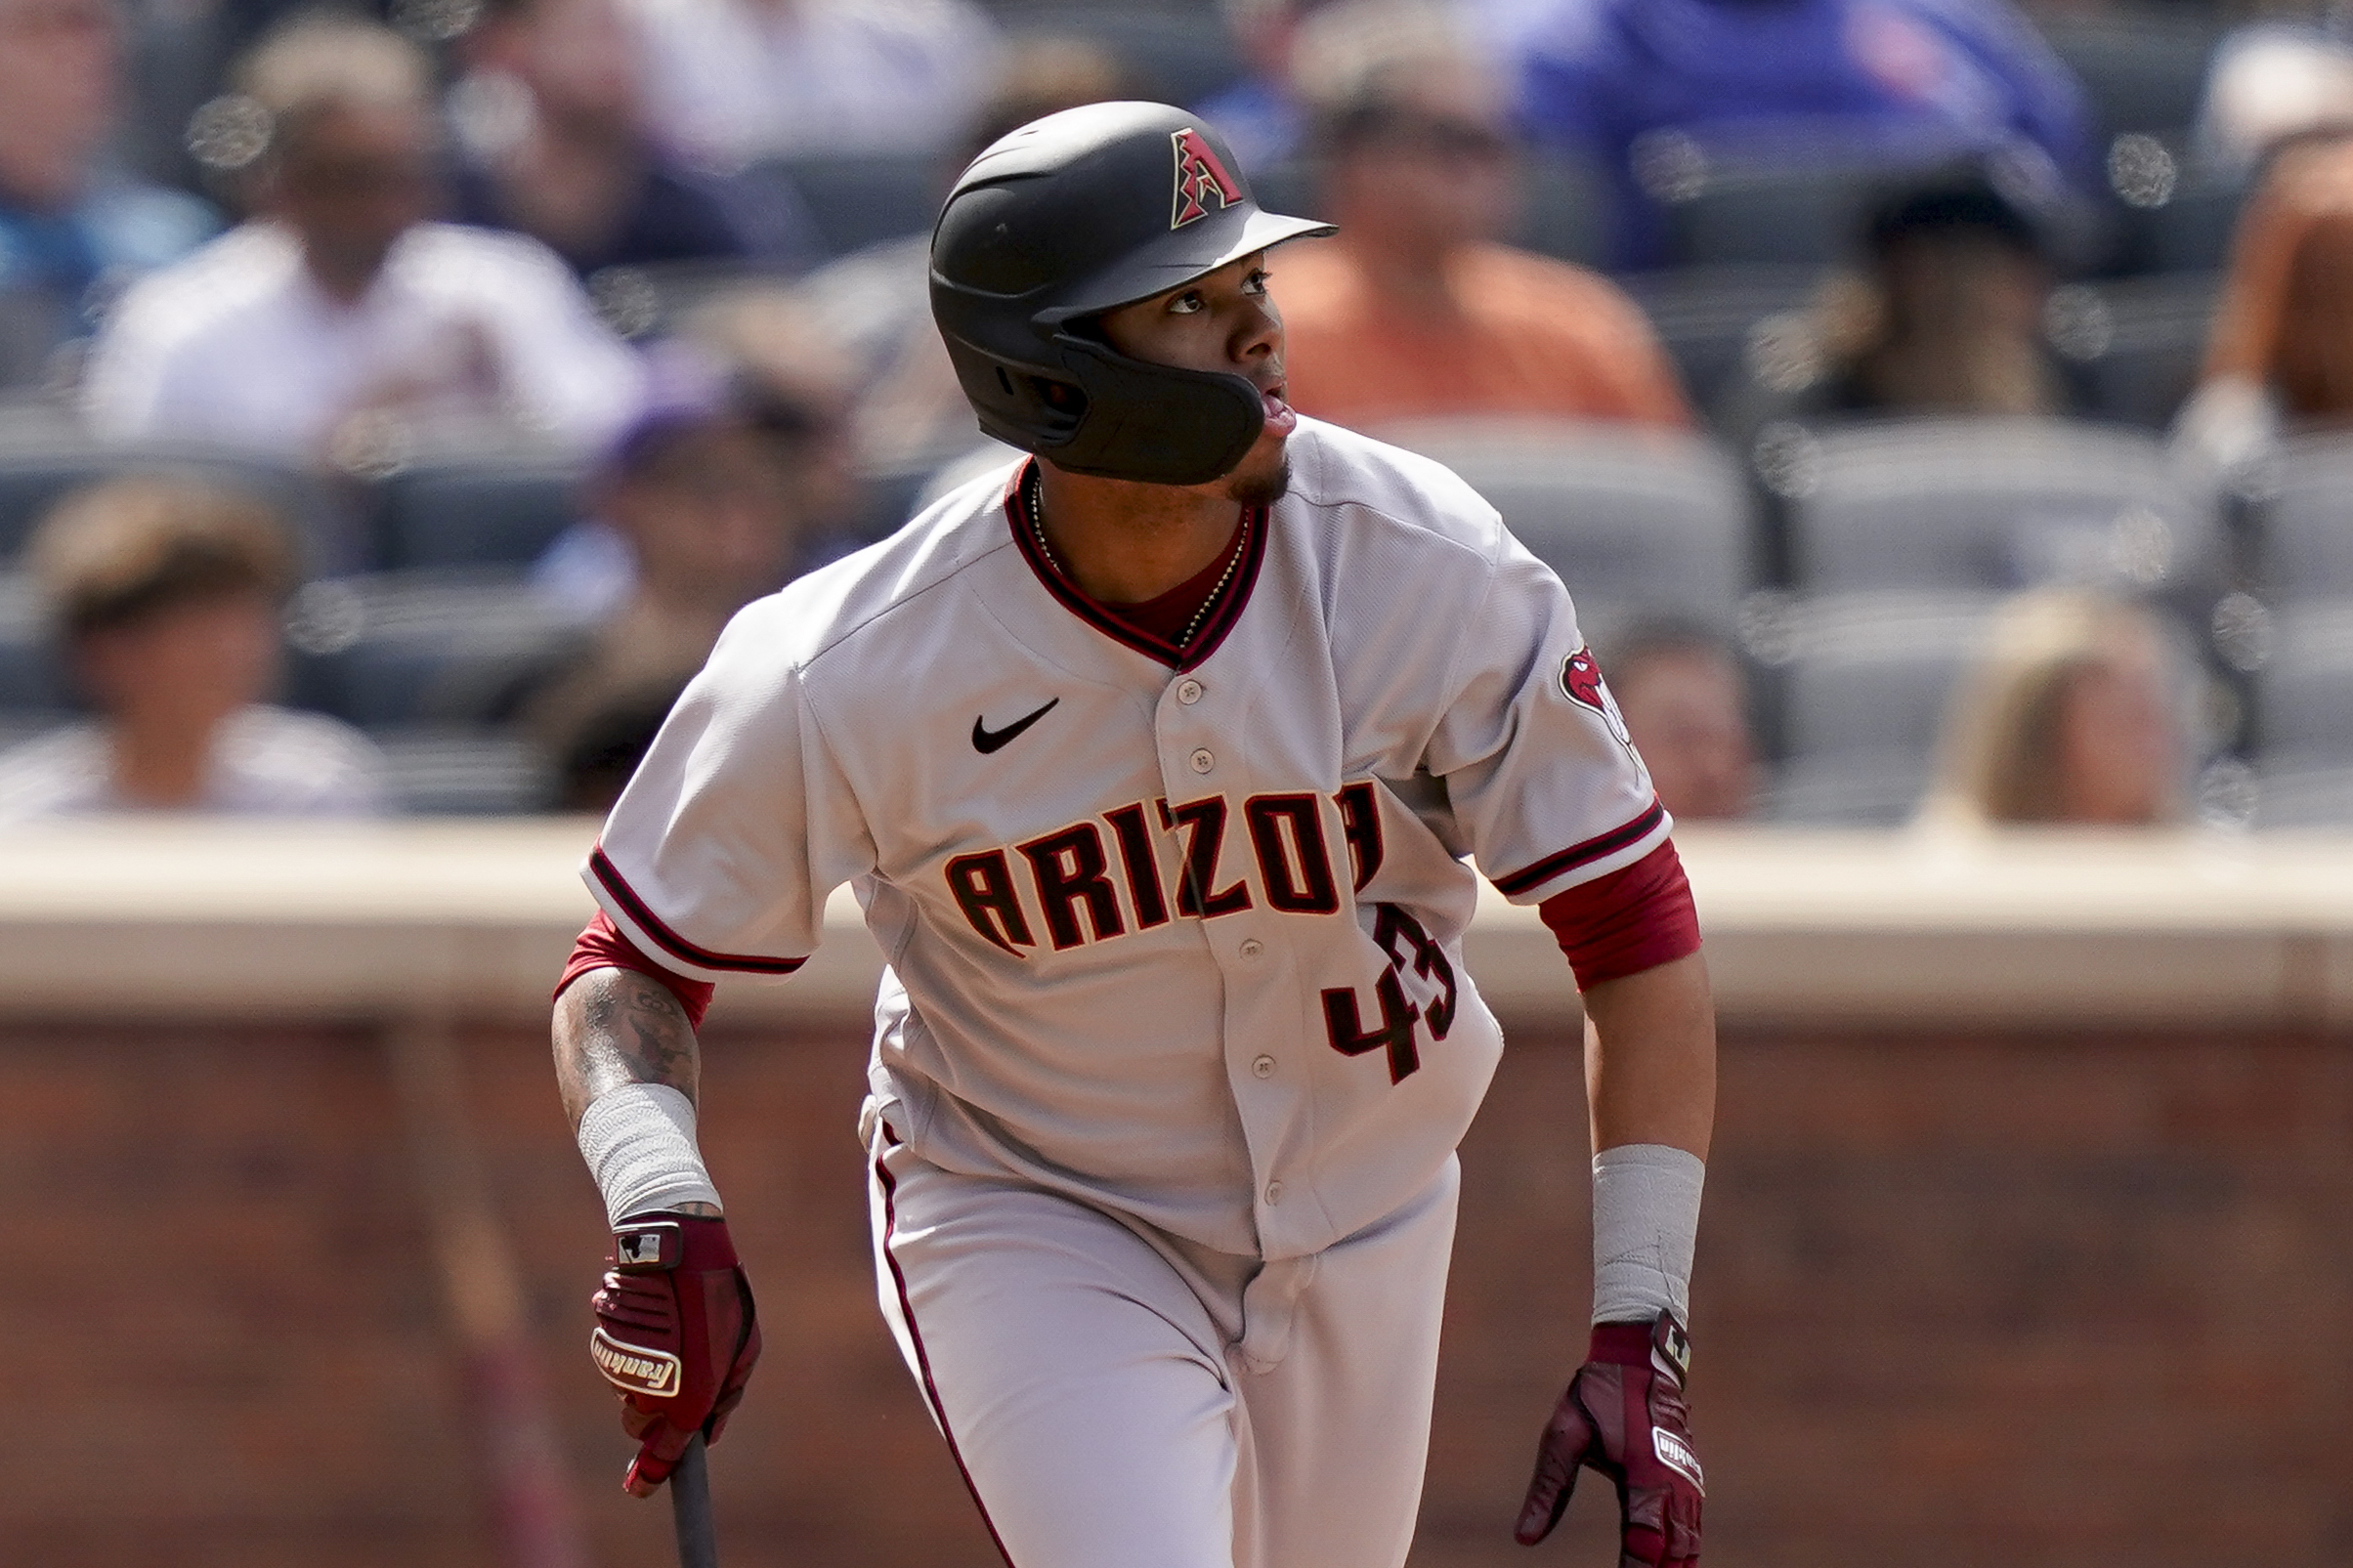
[898, 601]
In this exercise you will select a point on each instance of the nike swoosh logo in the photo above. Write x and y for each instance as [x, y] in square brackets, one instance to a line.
[986, 740]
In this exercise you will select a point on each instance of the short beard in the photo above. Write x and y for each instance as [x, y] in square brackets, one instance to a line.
[1263, 489]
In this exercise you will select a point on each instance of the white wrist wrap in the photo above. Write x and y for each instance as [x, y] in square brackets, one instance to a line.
[639, 1142]
[1645, 1218]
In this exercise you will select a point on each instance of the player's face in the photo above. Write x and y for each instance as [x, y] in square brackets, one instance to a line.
[1224, 321]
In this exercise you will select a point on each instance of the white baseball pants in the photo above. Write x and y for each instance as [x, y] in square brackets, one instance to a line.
[1118, 1398]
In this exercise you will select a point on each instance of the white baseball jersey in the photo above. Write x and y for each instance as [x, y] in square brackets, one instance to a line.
[1175, 934]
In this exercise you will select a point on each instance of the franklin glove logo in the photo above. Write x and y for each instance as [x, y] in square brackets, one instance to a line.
[633, 1368]
[1676, 1454]
[1200, 180]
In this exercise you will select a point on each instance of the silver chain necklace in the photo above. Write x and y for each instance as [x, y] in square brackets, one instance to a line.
[1032, 496]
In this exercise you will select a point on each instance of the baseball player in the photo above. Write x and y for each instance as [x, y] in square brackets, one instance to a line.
[1157, 761]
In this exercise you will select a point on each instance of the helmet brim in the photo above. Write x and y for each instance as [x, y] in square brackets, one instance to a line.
[1182, 256]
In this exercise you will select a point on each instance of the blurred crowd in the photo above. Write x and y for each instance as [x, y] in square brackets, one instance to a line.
[1938, 406]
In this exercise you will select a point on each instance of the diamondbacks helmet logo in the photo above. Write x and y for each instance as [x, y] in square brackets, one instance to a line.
[1200, 179]
[1581, 682]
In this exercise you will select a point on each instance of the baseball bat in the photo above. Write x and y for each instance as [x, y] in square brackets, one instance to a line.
[690, 1508]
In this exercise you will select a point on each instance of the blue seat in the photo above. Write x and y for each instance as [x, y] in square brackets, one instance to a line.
[2188, 230]
[1706, 317]
[1799, 209]
[2304, 691]
[32, 684]
[2305, 526]
[463, 773]
[1998, 503]
[2140, 341]
[401, 649]
[39, 467]
[860, 199]
[2142, 72]
[1863, 684]
[1639, 523]
[490, 509]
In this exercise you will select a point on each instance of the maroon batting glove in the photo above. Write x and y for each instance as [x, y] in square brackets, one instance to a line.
[1624, 1415]
[676, 1334]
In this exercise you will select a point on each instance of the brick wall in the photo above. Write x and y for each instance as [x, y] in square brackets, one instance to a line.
[2026, 1301]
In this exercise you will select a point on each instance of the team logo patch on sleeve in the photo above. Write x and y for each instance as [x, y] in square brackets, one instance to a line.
[1201, 179]
[634, 1368]
[1581, 682]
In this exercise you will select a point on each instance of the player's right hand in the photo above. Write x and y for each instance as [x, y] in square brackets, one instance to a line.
[676, 1334]
[1624, 1415]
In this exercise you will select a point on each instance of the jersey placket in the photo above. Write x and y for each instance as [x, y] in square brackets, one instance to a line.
[1199, 722]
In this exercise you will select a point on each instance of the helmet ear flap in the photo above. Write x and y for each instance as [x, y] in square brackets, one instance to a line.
[1013, 399]
[1155, 423]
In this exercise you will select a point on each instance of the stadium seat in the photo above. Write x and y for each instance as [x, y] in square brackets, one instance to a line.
[1563, 210]
[403, 650]
[1637, 522]
[39, 465]
[643, 302]
[489, 509]
[2294, 791]
[1705, 316]
[1975, 504]
[460, 773]
[2304, 527]
[2142, 72]
[2188, 230]
[1865, 679]
[2140, 341]
[1173, 53]
[32, 687]
[1806, 212]
[859, 199]
[2304, 691]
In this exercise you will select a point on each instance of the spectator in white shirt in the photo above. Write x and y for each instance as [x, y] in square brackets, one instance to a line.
[731, 81]
[166, 597]
[341, 325]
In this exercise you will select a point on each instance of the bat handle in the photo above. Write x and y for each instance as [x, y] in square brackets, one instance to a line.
[690, 1508]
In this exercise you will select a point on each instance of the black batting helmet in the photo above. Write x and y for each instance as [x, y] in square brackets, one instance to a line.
[1074, 215]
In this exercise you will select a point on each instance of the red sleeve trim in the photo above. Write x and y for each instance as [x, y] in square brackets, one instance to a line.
[601, 946]
[1514, 884]
[609, 876]
[1633, 919]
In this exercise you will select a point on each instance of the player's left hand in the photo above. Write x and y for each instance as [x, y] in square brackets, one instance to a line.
[1624, 1415]
[674, 1334]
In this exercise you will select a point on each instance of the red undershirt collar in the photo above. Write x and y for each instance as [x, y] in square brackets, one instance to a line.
[1153, 627]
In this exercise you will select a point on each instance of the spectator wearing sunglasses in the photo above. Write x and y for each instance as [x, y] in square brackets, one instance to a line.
[1416, 309]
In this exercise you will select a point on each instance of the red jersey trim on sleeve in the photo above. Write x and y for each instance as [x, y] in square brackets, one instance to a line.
[602, 945]
[1634, 918]
[1601, 847]
[609, 877]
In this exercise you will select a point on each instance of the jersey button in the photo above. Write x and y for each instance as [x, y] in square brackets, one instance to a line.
[1188, 691]
[1251, 947]
[1274, 1193]
[1204, 760]
[1264, 1067]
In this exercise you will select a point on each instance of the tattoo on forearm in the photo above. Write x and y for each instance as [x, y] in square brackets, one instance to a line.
[613, 1027]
